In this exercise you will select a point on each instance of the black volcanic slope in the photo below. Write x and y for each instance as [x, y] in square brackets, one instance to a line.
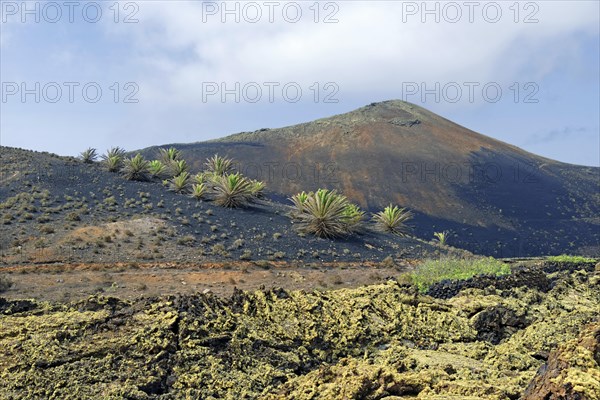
[58, 209]
[495, 198]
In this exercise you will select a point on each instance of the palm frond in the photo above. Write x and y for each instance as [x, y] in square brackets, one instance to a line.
[180, 183]
[157, 169]
[322, 214]
[178, 167]
[89, 155]
[393, 219]
[136, 168]
[353, 217]
[257, 188]
[232, 190]
[168, 155]
[198, 190]
[219, 165]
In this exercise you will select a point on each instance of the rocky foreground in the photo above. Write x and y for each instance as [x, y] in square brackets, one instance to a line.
[537, 340]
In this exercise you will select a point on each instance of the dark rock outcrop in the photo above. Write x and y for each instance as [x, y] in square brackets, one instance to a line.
[572, 371]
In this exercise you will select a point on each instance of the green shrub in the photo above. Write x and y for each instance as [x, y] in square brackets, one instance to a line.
[73, 216]
[178, 167]
[432, 271]
[198, 190]
[169, 155]
[299, 200]
[441, 237]
[187, 240]
[180, 183]
[321, 213]
[257, 189]
[563, 258]
[113, 163]
[201, 177]
[353, 217]
[246, 255]
[89, 155]
[136, 168]
[157, 169]
[232, 190]
[218, 165]
[393, 219]
[113, 159]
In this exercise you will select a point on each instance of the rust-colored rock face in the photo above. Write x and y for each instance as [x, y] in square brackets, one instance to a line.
[572, 371]
[496, 198]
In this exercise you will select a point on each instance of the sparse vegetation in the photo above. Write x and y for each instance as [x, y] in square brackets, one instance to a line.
[89, 155]
[393, 219]
[232, 191]
[257, 188]
[136, 168]
[178, 167]
[432, 271]
[113, 159]
[246, 255]
[157, 169]
[180, 183]
[219, 166]
[321, 213]
[353, 217]
[187, 240]
[198, 190]
[564, 258]
[441, 237]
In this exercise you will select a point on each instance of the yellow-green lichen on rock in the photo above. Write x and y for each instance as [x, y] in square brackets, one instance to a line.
[373, 342]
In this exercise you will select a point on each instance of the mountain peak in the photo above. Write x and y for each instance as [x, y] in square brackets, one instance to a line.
[397, 152]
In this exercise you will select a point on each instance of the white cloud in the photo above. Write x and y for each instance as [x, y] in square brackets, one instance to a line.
[369, 50]
[369, 53]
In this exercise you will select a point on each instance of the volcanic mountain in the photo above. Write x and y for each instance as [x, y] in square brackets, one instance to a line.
[493, 197]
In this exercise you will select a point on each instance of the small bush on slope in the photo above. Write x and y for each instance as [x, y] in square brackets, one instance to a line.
[233, 191]
[136, 168]
[432, 271]
[393, 219]
[113, 159]
[89, 155]
[323, 213]
[180, 183]
[218, 165]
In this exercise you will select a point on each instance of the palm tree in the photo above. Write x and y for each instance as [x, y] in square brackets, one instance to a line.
[393, 219]
[113, 159]
[257, 189]
[136, 168]
[89, 155]
[441, 237]
[322, 214]
[201, 177]
[168, 155]
[180, 183]
[157, 169]
[353, 217]
[232, 190]
[198, 190]
[299, 201]
[178, 167]
[218, 165]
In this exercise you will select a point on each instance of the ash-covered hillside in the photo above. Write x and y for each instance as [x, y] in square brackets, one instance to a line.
[495, 198]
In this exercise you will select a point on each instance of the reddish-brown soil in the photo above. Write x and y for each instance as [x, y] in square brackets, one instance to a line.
[60, 282]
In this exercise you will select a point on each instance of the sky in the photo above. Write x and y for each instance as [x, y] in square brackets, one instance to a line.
[141, 73]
